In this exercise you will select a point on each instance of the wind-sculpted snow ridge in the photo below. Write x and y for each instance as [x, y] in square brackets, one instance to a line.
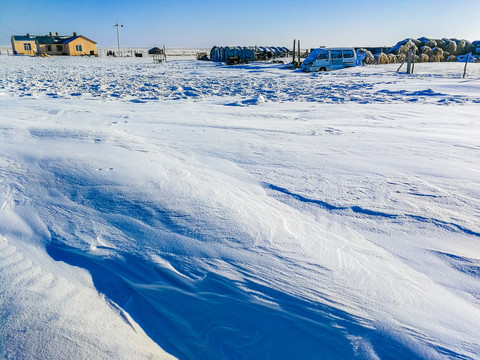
[139, 80]
[208, 274]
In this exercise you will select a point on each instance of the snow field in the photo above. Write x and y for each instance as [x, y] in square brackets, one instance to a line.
[265, 229]
[139, 80]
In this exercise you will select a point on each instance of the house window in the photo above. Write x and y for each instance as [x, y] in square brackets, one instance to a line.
[27, 46]
[78, 47]
[59, 47]
[49, 48]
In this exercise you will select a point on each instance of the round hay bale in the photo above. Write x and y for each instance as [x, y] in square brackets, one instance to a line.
[417, 43]
[392, 59]
[426, 50]
[440, 43]
[398, 45]
[452, 58]
[451, 47]
[436, 58]
[469, 47]
[381, 59]
[427, 42]
[369, 59]
[402, 50]
[407, 46]
[424, 58]
[437, 51]
[460, 47]
[423, 40]
[401, 58]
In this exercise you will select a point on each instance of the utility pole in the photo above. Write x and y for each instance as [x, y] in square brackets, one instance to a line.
[118, 39]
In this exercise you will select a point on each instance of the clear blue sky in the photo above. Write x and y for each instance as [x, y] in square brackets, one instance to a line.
[202, 24]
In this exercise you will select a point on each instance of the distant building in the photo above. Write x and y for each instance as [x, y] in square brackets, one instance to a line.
[155, 50]
[76, 45]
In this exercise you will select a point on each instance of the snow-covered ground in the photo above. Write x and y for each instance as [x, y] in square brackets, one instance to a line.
[247, 212]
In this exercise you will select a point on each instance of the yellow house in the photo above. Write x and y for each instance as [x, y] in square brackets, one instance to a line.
[24, 45]
[80, 45]
[54, 45]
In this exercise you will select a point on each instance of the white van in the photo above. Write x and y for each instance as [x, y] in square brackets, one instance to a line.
[329, 59]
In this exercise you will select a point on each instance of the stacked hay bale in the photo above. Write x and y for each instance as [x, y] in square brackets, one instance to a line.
[423, 58]
[425, 50]
[430, 50]
[401, 58]
[461, 45]
[404, 46]
[381, 59]
[428, 42]
[452, 58]
[450, 47]
[392, 59]
[437, 55]
[368, 58]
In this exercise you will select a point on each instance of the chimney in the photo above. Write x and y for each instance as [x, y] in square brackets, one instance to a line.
[50, 33]
[56, 34]
[74, 33]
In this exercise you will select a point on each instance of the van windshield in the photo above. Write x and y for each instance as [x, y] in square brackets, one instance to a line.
[313, 55]
[323, 55]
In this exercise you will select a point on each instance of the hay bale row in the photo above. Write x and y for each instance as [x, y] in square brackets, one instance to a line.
[382, 58]
[435, 49]
[425, 50]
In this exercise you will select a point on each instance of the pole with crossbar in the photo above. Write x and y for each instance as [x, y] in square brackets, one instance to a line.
[118, 38]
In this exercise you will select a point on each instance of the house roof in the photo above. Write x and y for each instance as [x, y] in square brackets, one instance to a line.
[76, 37]
[52, 39]
[155, 50]
[71, 39]
[23, 38]
[46, 39]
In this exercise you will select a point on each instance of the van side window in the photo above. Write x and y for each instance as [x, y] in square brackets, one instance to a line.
[323, 55]
[347, 53]
[336, 54]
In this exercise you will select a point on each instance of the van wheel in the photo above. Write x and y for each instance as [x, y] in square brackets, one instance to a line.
[323, 69]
